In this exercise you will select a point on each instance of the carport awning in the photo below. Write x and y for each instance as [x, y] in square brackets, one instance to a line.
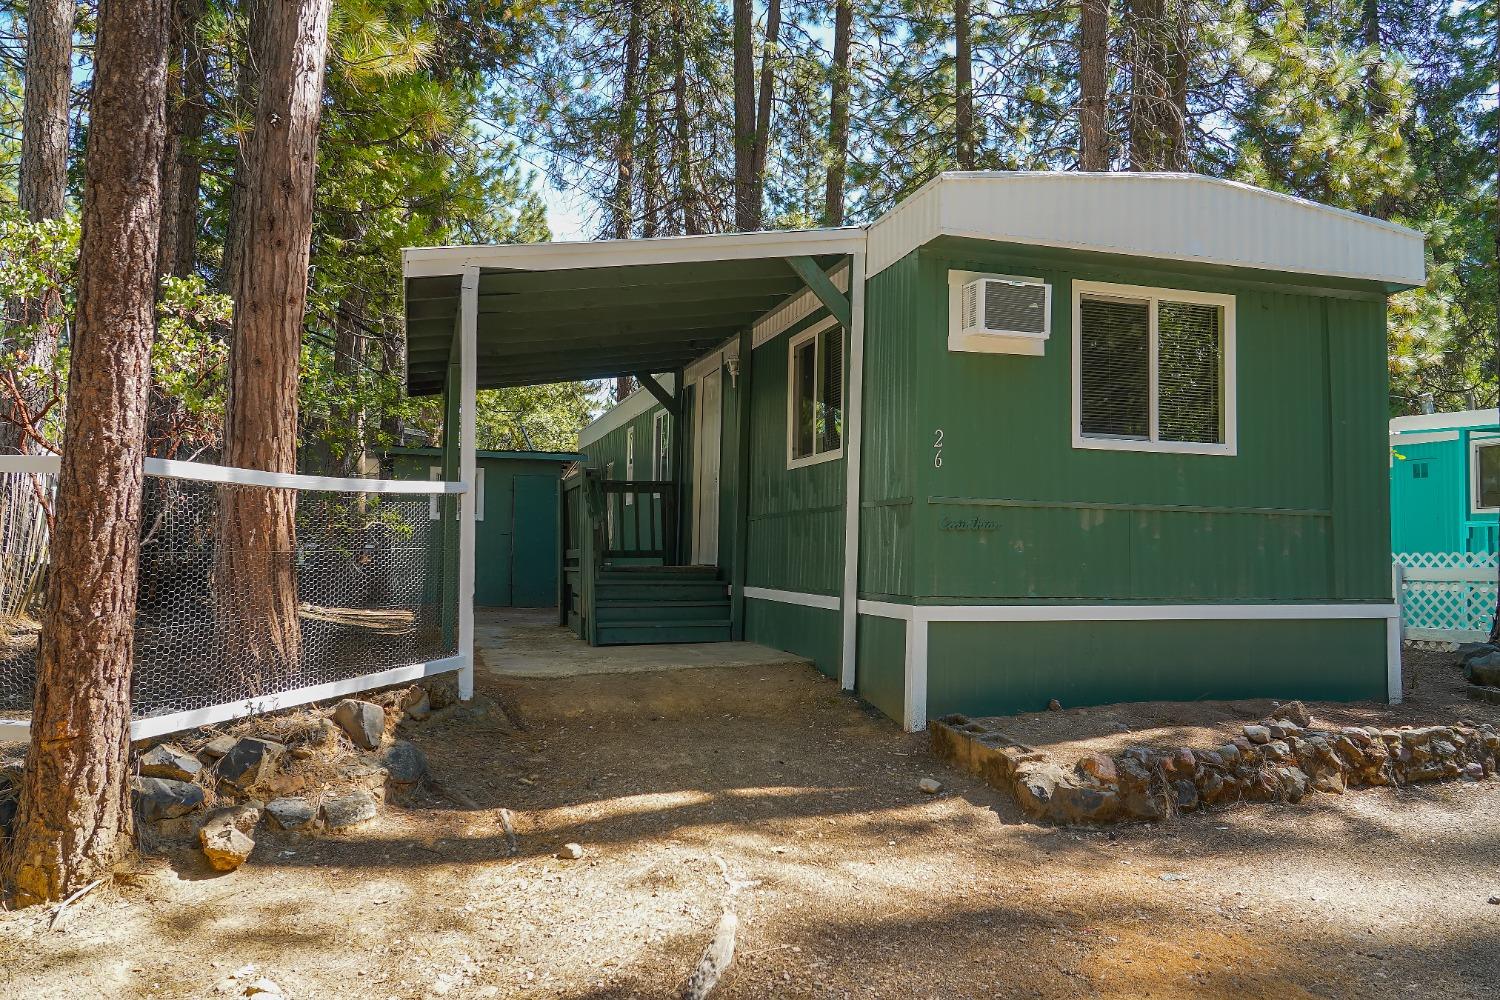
[565, 312]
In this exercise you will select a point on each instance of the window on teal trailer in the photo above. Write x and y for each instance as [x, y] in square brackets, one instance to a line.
[1153, 369]
[1487, 476]
[815, 398]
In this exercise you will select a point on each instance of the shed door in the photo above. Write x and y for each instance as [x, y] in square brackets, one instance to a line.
[534, 554]
[706, 439]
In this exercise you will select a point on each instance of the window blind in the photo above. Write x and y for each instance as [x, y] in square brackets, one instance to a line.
[830, 427]
[1114, 368]
[1189, 375]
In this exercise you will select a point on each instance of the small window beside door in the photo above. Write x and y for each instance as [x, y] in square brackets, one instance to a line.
[815, 395]
[630, 463]
[435, 474]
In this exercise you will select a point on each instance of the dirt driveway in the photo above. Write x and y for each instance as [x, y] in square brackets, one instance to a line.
[862, 885]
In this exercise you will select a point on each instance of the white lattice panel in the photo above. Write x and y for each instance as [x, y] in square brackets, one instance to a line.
[1448, 595]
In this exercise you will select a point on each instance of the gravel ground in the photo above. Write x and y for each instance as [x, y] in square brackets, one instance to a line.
[861, 886]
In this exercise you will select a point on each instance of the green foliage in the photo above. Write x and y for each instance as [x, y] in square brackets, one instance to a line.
[189, 366]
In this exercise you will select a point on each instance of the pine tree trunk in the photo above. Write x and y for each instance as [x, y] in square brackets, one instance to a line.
[74, 822]
[1174, 111]
[630, 97]
[763, 106]
[1147, 81]
[687, 191]
[242, 107]
[191, 118]
[42, 188]
[746, 211]
[963, 78]
[1093, 85]
[652, 196]
[256, 578]
[838, 115]
[348, 365]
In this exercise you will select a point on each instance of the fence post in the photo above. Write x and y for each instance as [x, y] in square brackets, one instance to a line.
[1393, 635]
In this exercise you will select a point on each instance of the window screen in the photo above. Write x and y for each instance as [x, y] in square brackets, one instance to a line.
[816, 409]
[1189, 372]
[1487, 458]
[1114, 368]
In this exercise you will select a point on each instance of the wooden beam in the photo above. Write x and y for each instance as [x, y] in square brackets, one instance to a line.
[813, 276]
[649, 383]
[631, 274]
[776, 287]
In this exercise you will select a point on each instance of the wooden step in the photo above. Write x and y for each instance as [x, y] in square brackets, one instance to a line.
[633, 611]
[652, 590]
[649, 633]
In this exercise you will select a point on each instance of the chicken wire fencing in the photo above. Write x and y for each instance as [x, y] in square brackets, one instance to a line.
[330, 591]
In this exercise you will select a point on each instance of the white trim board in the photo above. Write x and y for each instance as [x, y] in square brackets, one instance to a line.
[203, 472]
[160, 725]
[1446, 421]
[797, 597]
[1427, 437]
[920, 616]
[623, 412]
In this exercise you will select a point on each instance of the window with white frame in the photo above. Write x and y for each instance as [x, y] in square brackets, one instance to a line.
[630, 463]
[815, 395]
[1153, 369]
[1485, 464]
[661, 445]
[435, 474]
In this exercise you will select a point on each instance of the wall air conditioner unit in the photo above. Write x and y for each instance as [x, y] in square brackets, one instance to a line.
[998, 314]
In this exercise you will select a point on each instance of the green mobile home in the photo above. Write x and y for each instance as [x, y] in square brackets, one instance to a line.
[1093, 437]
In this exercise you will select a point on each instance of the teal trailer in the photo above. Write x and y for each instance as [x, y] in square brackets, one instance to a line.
[517, 515]
[1445, 483]
[1092, 437]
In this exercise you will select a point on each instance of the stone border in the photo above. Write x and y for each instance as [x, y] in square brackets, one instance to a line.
[1282, 759]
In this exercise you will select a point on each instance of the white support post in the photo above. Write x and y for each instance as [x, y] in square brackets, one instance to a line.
[1393, 637]
[914, 705]
[468, 325]
[854, 400]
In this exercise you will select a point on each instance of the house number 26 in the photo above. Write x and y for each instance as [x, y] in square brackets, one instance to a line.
[937, 448]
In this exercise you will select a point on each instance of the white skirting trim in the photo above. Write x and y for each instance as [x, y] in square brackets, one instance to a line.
[206, 473]
[796, 597]
[919, 616]
[159, 725]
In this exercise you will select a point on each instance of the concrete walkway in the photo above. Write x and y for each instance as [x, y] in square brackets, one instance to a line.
[528, 642]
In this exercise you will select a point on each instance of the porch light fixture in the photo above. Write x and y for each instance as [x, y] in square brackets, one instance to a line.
[732, 364]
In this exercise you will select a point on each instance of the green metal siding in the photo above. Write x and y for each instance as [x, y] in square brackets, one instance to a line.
[815, 633]
[1094, 663]
[882, 663]
[1016, 512]
[796, 515]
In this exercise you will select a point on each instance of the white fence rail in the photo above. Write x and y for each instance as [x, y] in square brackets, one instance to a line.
[1446, 596]
[377, 579]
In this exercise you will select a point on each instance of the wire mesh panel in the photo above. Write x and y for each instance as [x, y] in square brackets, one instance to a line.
[347, 584]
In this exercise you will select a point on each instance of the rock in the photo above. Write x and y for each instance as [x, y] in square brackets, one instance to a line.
[1075, 802]
[292, 813]
[343, 811]
[250, 762]
[1185, 794]
[1294, 712]
[1258, 734]
[1483, 669]
[167, 760]
[570, 852]
[1099, 767]
[416, 706]
[1329, 780]
[930, 786]
[164, 798]
[1473, 771]
[1495, 900]
[404, 764]
[1467, 651]
[224, 843]
[1054, 705]
[1292, 782]
[218, 747]
[8, 808]
[361, 721]
[179, 828]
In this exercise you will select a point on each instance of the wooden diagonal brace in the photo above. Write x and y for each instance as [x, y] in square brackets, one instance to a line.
[649, 383]
[813, 277]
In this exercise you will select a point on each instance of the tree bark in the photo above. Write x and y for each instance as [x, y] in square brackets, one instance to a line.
[630, 97]
[256, 578]
[1093, 85]
[74, 822]
[763, 106]
[963, 78]
[348, 363]
[838, 115]
[687, 191]
[1159, 63]
[746, 211]
[42, 188]
[653, 198]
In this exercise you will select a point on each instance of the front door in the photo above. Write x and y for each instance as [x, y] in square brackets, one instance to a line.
[707, 422]
[534, 542]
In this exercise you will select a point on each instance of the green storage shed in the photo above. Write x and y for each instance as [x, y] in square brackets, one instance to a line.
[1094, 437]
[517, 530]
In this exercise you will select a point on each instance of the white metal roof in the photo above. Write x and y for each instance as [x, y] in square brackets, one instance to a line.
[1184, 217]
[1445, 421]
